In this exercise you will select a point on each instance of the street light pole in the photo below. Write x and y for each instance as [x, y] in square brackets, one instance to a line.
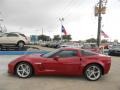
[99, 23]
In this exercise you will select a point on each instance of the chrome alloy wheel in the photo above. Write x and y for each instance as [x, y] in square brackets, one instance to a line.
[93, 72]
[23, 70]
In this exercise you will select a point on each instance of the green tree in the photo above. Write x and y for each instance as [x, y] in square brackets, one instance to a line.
[44, 38]
[91, 40]
[66, 37]
[104, 41]
[56, 38]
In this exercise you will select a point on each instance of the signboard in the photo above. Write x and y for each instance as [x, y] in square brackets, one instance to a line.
[34, 38]
[102, 10]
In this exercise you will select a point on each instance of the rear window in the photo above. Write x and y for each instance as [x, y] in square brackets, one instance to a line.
[87, 53]
[23, 35]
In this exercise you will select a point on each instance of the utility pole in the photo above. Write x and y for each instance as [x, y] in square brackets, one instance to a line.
[100, 9]
[99, 24]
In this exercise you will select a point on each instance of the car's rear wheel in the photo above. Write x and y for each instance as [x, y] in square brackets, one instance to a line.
[20, 44]
[93, 72]
[24, 70]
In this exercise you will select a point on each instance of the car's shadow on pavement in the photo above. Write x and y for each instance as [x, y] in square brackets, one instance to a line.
[48, 77]
[56, 77]
[60, 77]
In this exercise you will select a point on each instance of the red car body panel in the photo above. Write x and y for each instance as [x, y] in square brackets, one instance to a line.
[63, 66]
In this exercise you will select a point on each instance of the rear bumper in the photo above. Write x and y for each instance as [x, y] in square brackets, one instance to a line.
[107, 67]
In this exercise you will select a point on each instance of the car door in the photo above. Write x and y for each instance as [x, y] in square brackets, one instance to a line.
[12, 38]
[3, 39]
[51, 66]
[68, 63]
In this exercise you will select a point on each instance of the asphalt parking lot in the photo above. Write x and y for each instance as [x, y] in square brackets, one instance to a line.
[10, 82]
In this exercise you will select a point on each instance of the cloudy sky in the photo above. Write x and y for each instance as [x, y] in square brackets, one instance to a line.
[30, 16]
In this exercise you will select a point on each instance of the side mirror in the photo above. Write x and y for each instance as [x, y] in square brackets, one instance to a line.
[56, 58]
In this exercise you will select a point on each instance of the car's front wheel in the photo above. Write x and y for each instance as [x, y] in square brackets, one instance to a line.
[24, 70]
[93, 72]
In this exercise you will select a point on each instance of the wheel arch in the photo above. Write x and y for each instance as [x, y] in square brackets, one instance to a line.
[100, 65]
[20, 41]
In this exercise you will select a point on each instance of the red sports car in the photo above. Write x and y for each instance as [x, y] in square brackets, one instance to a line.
[64, 61]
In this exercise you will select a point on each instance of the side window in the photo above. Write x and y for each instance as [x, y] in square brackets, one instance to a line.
[67, 53]
[12, 35]
[87, 53]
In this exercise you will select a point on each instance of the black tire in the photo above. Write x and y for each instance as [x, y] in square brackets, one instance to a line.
[19, 73]
[0, 47]
[110, 53]
[92, 73]
[20, 44]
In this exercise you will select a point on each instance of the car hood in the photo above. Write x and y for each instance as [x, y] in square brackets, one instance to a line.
[31, 58]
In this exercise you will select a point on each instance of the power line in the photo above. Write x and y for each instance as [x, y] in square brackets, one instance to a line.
[67, 8]
[76, 6]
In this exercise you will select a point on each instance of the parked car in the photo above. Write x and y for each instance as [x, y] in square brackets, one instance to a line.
[71, 44]
[56, 44]
[53, 44]
[91, 46]
[63, 61]
[114, 50]
[13, 38]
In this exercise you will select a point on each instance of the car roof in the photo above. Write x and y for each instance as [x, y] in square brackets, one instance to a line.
[15, 32]
[78, 49]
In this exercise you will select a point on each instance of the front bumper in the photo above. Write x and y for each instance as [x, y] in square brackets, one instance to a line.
[11, 68]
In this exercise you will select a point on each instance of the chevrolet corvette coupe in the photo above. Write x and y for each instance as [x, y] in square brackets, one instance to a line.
[64, 61]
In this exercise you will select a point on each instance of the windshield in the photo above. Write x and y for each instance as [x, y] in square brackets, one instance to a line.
[50, 53]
